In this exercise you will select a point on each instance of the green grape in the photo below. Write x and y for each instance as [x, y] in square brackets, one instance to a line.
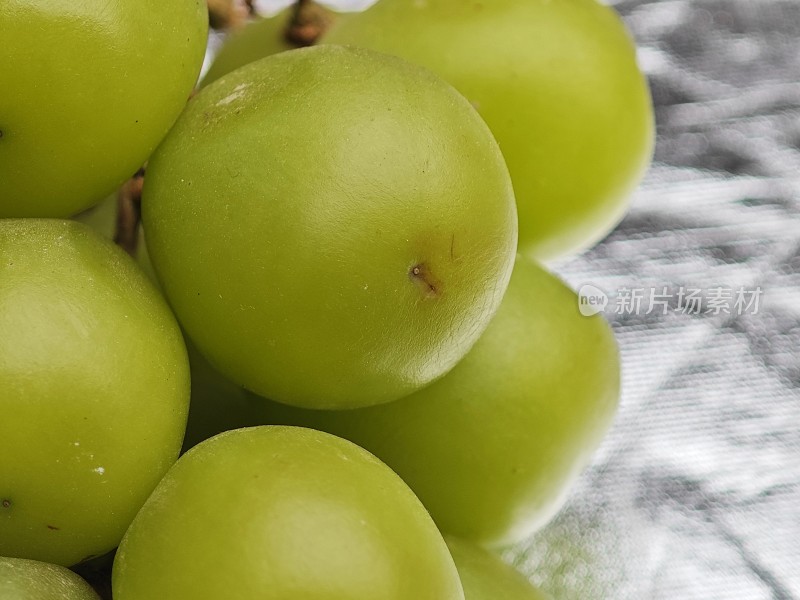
[95, 390]
[259, 39]
[89, 89]
[558, 84]
[22, 579]
[143, 259]
[492, 448]
[486, 577]
[103, 219]
[217, 405]
[280, 512]
[333, 227]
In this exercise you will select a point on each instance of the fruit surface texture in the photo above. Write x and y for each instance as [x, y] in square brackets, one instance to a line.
[94, 391]
[22, 579]
[89, 89]
[333, 227]
[281, 512]
[558, 84]
[218, 405]
[492, 448]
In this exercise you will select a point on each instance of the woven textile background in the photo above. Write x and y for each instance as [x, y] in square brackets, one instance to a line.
[696, 493]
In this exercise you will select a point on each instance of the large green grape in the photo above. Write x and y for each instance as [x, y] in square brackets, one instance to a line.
[486, 577]
[22, 579]
[89, 88]
[95, 390]
[332, 226]
[492, 448]
[259, 39]
[558, 84]
[279, 513]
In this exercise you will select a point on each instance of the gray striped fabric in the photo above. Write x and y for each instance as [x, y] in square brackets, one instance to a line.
[696, 493]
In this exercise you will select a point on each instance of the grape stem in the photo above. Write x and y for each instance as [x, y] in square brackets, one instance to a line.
[129, 213]
[228, 14]
[309, 21]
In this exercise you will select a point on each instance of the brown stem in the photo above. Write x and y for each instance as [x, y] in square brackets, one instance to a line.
[228, 14]
[309, 21]
[129, 213]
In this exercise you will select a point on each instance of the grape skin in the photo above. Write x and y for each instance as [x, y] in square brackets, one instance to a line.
[89, 89]
[95, 385]
[558, 84]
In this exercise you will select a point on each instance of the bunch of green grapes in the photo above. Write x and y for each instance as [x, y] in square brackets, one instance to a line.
[333, 308]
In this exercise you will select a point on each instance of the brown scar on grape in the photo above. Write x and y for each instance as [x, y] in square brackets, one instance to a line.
[54, 528]
[425, 279]
[5, 503]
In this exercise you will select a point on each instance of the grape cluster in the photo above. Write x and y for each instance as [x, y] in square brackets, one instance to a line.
[338, 313]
